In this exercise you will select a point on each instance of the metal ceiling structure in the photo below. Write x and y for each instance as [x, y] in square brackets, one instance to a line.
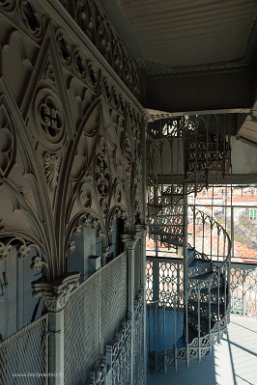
[195, 57]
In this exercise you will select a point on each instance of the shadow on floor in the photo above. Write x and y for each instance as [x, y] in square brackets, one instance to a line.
[232, 362]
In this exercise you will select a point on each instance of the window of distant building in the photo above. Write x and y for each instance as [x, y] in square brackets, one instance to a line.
[252, 214]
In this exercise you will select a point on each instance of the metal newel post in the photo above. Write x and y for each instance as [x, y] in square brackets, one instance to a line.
[55, 296]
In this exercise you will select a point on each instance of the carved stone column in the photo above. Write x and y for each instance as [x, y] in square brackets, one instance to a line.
[55, 296]
[130, 243]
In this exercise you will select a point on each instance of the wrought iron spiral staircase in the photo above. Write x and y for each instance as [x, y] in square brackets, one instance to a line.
[183, 326]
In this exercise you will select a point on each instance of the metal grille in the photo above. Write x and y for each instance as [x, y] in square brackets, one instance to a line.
[23, 356]
[149, 281]
[244, 290]
[121, 357]
[170, 279]
[139, 366]
[91, 317]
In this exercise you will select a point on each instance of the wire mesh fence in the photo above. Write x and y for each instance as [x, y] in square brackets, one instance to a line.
[92, 315]
[23, 356]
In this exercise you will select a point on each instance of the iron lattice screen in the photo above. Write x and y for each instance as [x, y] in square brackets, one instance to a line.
[244, 290]
[168, 281]
[91, 317]
[149, 281]
[121, 355]
[243, 280]
[139, 368]
[23, 358]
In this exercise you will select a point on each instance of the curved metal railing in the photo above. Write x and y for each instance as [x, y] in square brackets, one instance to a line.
[204, 303]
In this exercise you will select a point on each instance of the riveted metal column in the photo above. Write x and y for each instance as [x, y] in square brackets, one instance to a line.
[130, 243]
[55, 296]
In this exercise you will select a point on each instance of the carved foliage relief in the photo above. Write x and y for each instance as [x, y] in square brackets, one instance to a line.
[70, 137]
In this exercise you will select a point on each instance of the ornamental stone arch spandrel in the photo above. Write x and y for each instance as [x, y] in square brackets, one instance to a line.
[70, 131]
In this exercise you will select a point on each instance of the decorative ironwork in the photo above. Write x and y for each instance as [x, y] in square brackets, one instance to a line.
[149, 281]
[120, 352]
[204, 304]
[139, 360]
[243, 290]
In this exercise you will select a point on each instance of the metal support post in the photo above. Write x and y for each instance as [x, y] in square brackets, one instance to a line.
[55, 296]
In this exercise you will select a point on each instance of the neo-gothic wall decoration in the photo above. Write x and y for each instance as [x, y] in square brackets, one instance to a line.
[93, 21]
[70, 134]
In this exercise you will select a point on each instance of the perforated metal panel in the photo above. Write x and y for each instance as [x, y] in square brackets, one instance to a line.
[92, 315]
[23, 356]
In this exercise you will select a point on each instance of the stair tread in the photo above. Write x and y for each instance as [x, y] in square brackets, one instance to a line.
[206, 304]
[199, 263]
[201, 277]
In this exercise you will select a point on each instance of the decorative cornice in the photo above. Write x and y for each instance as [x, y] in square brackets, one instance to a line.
[57, 293]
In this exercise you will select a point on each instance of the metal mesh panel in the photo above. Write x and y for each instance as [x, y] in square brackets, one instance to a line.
[113, 297]
[82, 328]
[23, 356]
[244, 290]
[91, 317]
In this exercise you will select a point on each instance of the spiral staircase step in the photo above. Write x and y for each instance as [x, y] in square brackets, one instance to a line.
[217, 311]
[199, 267]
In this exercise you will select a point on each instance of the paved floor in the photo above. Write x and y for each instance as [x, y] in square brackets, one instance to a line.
[233, 361]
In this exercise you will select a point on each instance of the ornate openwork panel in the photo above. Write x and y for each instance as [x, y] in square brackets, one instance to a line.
[139, 355]
[23, 356]
[121, 355]
[243, 290]
[149, 281]
[171, 280]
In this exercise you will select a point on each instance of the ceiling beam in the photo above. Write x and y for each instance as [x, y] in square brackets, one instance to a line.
[201, 92]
